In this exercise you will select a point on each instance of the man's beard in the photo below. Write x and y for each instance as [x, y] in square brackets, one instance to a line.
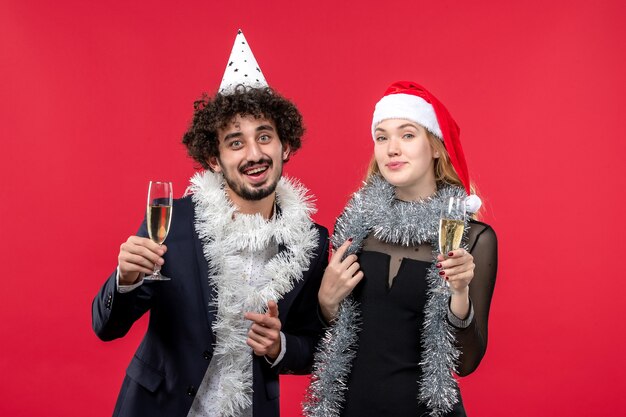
[250, 193]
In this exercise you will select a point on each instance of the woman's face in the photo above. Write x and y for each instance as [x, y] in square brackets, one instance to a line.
[405, 158]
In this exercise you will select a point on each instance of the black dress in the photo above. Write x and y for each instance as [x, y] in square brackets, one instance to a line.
[385, 373]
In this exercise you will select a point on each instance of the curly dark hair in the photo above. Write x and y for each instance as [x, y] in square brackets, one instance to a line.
[213, 113]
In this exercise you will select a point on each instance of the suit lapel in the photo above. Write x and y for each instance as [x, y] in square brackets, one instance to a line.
[203, 277]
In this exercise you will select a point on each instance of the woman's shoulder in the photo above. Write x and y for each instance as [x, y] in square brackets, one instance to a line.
[479, 227]
[480, 231]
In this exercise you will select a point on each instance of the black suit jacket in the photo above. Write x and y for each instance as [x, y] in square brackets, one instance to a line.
[170, 363]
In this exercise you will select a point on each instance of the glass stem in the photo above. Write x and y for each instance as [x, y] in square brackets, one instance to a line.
[157, 269]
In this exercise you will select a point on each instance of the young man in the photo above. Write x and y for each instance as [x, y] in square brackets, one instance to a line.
[245, 262]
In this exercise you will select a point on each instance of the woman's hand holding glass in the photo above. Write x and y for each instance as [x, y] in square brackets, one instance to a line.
[456, 265]
[457, 269]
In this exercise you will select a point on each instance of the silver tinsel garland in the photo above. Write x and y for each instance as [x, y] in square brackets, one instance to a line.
[225, 234]
[375, 210]
[332, 364]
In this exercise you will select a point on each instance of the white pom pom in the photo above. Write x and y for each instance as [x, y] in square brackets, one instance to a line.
[473, 203]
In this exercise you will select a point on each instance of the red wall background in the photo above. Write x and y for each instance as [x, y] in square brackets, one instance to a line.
[95, 96]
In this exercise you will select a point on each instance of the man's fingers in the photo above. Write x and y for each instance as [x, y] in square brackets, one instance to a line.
[129, 260]
[259, 349]
[263, 320]
[148, 243]
[147, 253]
[129, 249]
[260, 332]
[256, 346]
[139, 255]
[272, 309]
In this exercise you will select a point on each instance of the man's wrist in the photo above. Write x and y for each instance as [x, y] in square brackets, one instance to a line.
[122, 288]
[281, 354]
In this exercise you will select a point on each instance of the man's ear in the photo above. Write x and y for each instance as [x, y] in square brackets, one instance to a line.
[214, 164]
[286, 151]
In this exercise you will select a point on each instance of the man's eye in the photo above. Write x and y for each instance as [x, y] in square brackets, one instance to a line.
[235, 144]
[264, 138]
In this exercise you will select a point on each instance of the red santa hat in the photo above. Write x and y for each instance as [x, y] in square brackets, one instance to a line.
[410, 101]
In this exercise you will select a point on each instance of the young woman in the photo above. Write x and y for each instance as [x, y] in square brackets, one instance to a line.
[395, 337]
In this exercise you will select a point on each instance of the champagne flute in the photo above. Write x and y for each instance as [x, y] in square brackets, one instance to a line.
[158, 219]
[451, 225]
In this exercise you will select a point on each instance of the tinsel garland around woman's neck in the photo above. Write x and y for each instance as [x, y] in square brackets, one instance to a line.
[375, 210]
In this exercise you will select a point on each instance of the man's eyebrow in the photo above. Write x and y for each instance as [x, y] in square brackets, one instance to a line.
[232, 135]
[265, 127]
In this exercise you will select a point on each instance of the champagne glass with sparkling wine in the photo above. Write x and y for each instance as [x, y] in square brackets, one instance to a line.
[451, 225]
[158, 218]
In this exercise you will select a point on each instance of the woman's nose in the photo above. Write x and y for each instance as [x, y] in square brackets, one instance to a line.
[393, 147]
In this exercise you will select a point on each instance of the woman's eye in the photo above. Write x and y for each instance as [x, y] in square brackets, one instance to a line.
[408, 136]
[380, 138]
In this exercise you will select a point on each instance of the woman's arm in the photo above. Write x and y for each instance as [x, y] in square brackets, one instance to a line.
[472, 340]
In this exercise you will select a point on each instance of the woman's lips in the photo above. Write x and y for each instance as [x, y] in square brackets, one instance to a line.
[394, 165]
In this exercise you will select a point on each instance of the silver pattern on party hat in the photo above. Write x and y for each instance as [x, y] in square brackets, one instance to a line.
[242, 68]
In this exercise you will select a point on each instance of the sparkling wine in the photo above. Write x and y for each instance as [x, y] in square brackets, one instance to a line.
[450, 235]
[159, 217]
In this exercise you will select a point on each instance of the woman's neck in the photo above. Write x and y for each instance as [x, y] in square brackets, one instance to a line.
[416, 192]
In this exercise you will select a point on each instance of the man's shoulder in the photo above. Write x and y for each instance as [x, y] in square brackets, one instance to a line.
[322, 235]
[184, 203]
[321, 229]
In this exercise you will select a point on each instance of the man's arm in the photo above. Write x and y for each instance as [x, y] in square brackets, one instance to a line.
[302, 328]
[113, 311]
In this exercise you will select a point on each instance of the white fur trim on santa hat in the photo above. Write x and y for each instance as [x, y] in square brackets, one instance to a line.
[406, 106]
[473, 203]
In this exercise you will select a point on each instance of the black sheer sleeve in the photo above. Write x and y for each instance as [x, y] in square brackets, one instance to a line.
[472, 341]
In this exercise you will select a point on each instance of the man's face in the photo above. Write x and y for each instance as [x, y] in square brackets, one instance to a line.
[250, 157]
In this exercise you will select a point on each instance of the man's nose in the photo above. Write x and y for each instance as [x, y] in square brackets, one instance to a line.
[254, 151]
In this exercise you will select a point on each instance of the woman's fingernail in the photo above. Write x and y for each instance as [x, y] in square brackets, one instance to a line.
[438, 265]
[442, 273]
[447, 278]
[450, 253]
[350, 239]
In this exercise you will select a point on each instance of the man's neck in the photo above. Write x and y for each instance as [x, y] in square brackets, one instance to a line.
[264, 207]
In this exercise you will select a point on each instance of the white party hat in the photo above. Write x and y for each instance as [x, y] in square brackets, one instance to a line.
[242, 68]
